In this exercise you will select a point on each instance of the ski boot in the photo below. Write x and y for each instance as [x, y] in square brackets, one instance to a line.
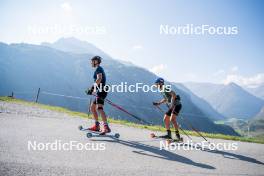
[167, 136]
[106, 129]
[95, 127]
[179, 138]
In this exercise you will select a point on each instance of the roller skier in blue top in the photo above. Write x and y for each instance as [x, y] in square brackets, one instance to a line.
[98, 103]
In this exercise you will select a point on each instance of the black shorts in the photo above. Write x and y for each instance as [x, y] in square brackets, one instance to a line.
[176, 110]
[100, 98]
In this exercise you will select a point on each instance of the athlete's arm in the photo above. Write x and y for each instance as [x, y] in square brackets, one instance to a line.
[173, 98]
[99, 78]
[160, 102]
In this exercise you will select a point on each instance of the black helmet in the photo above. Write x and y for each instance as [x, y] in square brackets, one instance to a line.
[98, 58]
[159, 81]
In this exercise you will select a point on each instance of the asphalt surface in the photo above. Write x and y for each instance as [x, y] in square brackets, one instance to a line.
[135, 153]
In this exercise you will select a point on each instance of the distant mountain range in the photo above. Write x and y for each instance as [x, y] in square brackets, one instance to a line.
[257, 91]
[74, 45]
[64, 68]
[260, 115]
[201, 103]
[230, 100]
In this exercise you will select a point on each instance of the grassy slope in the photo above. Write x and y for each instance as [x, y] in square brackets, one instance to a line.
[127, 123]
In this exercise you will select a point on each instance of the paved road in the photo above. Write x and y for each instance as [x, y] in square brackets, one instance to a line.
[134, 154]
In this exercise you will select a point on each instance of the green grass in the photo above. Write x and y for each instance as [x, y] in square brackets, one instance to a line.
[131, 124]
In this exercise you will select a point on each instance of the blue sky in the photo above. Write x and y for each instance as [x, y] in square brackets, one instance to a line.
[132, 33]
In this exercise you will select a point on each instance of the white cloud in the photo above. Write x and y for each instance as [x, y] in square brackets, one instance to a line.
[253, 81]
[157, 69]
[137, 47]
[234, 69]
[222, 73]
[219, 72]
[66, 7]
[191, 76]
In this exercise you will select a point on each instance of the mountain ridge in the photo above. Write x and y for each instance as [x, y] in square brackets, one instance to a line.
[230, 100]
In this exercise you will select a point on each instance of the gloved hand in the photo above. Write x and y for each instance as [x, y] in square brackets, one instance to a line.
[89, 91]
[155, 104]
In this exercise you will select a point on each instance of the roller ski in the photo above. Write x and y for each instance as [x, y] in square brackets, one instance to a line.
[93, 132]
[180, 141]
[152, 135]
[167, 138]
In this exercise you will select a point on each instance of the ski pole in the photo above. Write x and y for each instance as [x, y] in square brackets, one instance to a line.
[122, 109]
[89, 111]
[183, 119]
[159, 108]
[189, 124]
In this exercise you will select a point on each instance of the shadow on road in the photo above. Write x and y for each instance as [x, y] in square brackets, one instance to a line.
[152, 151]
[230, 155]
